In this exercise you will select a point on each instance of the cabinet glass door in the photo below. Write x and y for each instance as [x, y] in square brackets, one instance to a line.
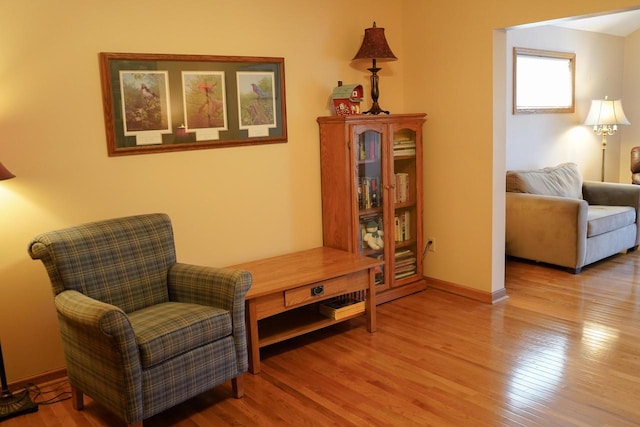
[406, 252]
[371, 226]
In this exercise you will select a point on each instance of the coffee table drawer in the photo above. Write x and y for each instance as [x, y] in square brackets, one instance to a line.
[326, 288]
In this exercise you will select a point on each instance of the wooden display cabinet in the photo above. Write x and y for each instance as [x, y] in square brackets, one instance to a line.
[372, 175]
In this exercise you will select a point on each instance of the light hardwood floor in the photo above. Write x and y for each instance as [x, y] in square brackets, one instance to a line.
[563, 350]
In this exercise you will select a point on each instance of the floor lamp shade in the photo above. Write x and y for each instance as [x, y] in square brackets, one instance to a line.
[605, 116]
[604, 112]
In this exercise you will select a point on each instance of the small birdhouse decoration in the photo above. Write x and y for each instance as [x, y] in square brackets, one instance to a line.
[347, 98]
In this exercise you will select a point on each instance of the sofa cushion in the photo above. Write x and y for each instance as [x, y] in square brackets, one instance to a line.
[602, 219]
[167, 330]
[563, 180]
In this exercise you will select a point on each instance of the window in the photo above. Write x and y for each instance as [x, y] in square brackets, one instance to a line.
[543, 81]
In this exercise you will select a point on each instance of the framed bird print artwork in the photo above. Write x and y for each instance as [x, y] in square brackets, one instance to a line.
[257, 105]
[205, 103]
[145, 104]
[162, 102]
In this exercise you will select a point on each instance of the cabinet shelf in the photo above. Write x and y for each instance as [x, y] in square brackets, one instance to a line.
[369, 212]
[375, 160]
[404, 205]
[368, 161]
[405, 244]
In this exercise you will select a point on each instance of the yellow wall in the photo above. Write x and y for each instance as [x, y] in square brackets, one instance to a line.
[236, 204]
[227, 205]
[448, 74]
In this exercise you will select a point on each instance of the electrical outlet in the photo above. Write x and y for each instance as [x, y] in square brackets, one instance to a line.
[431, 244]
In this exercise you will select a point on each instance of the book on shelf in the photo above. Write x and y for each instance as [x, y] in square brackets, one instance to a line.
[405, 274]
[404, 143]
[402, 226]
[339, 308]
[405, 264]
[404, 152]
[401, 193]
[403, 253]
[369, 195]
[404, 147]
[369, 146]
[410, 268]
[402, 262]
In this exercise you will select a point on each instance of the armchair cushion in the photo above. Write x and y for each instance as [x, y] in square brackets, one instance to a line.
[166, 330]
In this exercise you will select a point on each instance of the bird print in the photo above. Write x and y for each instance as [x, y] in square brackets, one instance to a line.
[259, 92]
[146, 92]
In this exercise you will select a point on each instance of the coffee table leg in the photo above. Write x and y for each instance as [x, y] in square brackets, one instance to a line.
[253, 341]
[370, 304]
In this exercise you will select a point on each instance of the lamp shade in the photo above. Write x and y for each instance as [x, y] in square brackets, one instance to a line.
[606, 112]
[4, 173]
[374, 45]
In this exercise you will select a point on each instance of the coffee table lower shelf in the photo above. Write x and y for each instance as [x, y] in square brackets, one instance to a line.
[294, 323]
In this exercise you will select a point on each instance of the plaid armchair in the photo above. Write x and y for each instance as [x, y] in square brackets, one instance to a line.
[141, 332]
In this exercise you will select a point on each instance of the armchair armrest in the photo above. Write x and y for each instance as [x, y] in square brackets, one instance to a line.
[546, 228]
[219, 287]
[99, 337]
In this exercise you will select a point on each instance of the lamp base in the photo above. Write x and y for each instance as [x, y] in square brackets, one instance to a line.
[15, 404]
[375, 92]
[375, 109]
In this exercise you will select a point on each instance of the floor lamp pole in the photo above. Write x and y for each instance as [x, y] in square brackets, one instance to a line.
[12, 404]
[604, 149]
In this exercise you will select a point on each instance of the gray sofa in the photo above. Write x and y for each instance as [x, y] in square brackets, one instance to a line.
[554, 217]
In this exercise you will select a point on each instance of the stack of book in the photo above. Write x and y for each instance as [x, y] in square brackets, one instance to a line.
[339, 308]
[405, 264]
[404, 147]
[403, 226]
[401, 194]
[369, 195]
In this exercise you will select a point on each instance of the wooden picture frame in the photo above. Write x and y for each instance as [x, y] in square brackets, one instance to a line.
[164, 102]
[543, 81]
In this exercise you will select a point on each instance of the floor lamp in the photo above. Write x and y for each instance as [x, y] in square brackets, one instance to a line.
[12, 404]
[605, 116]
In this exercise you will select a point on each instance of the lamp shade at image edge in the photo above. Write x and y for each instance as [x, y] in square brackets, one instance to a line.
[4, 173]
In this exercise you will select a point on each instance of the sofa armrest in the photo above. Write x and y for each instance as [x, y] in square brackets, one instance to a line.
[611, 194]
[101, 351]
[546, 228]
[614, 194]
[219, 287]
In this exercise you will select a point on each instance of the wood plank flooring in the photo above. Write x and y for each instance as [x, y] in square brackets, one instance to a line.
[563, 350]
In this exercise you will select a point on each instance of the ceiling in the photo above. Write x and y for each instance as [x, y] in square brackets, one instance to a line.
[617, 24]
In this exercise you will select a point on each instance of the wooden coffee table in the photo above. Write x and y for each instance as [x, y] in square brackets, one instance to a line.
[282, 301]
